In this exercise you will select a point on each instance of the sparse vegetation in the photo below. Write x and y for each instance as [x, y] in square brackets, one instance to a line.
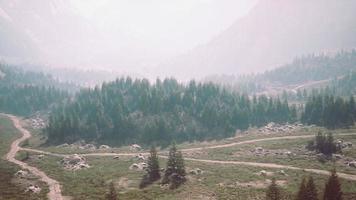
[112, 194]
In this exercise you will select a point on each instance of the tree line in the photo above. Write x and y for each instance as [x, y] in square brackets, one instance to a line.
[23, 93]
[308, 190]
[329, 111]
[135, 111]
[312, 68]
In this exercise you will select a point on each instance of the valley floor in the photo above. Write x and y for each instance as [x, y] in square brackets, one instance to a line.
[235, 168]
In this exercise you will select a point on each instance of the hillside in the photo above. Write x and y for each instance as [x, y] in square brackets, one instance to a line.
[24, 92]
[286, 29]
[128, 111]
[306, 72]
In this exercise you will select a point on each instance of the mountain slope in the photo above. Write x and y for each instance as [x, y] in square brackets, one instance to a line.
[274, 32]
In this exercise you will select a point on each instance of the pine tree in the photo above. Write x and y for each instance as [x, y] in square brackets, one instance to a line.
[171, 164]
[311, 191]
[302, 190]
[180, 164]
[273, 192]
[153, 171]
[153, 165]
[175, 171]
[332, 189]
[111, 195]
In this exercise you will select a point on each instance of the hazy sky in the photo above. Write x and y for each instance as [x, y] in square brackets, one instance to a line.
[174, 24]
[127, 35]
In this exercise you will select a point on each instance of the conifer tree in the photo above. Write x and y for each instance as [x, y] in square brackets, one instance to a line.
[171, 164]
[273, 192]
[153, 171]
[175, 171]
[153, 165]
[302, 190]
[332, 189]
[111, 195]
[311, 191]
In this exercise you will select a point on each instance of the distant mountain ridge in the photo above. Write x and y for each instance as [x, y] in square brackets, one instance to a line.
[273, 33]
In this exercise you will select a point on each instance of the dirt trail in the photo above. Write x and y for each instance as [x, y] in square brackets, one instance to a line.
[15, 148]
[54, 186]
[253, 164]
[276, 166]
[257, 140]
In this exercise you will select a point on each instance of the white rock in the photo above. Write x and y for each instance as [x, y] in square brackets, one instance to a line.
[104, 147]
[33, 188]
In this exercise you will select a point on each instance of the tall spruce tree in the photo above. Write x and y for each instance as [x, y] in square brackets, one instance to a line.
[153, 170]
[175, 171]
[311, 191]
[273, 192]
[332, 189]
[153, 165]
[301, 195]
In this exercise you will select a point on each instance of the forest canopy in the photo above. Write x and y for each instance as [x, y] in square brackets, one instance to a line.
[127, 111]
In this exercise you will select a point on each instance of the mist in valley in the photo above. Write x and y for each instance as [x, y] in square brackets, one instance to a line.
[178, 99]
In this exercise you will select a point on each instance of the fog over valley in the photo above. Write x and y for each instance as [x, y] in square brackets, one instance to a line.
[178, 99]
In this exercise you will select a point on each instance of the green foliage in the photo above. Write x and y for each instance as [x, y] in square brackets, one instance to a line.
[346, 85]
[24, 93]
[313, 67]
[324, 143]
[134, 111]
[175, 170]
[273, 192]
[301, 195]
[329, 111]
[332, 189]
[311, 193]
[153, 170]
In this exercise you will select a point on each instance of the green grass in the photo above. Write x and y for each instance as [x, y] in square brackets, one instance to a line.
[92, 183]
[8, 189]
[242, 153]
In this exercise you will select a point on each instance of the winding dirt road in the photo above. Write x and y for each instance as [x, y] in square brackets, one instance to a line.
[54, 187]
[252, 164]
[55, 191]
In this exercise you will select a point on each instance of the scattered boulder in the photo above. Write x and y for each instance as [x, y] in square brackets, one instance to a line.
[352, 164]
[116, 157]
[63, 145]
[74, 162]
[138, 166]
[134, 166]
[196, 171]
[263, 173]
[37, 122]
[282, 172]
[337, 156]
[34, 189]
[104, 147]
[21, 173]
[40, 156]
[140, 157]
[258, 149]
[342, 144]
[135, 147]
[89, 147]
